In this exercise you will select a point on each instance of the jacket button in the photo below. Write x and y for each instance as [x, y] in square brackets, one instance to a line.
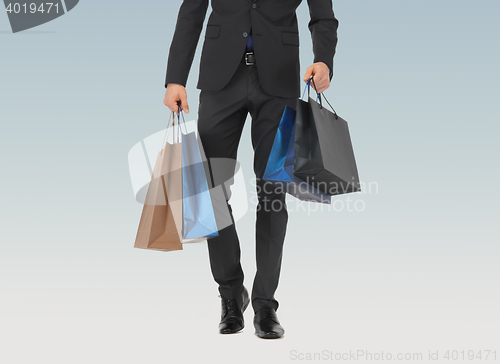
[245, 34]
[254, 6]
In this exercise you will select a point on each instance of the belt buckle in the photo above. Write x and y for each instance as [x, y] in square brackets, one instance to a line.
[246, 59]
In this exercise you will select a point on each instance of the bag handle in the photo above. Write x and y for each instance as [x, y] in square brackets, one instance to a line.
[179, 111]
[167, 132]
[318, 96]
[172, 117]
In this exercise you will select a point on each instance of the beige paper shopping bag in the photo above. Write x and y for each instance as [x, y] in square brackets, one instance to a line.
[159, 227]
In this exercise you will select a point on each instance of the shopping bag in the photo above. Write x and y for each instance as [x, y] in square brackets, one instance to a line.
[157, 227]
[280, 165]
[324, 155]
[204, 206]
[173, 173]
[198, 212]
[161, 222]
[182, 203]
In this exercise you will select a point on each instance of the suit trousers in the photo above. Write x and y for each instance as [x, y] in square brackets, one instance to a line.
[221, 117]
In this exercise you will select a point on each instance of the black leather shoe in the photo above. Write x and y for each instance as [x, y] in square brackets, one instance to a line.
[267, 325]
[232, 313]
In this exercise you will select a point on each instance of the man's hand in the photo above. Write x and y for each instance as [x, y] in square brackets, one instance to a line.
[321, 76]
[174, 93]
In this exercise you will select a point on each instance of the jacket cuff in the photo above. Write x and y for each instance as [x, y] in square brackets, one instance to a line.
[170, 78]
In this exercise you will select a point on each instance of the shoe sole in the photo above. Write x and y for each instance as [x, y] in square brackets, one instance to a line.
[268, 335]
[231, 332]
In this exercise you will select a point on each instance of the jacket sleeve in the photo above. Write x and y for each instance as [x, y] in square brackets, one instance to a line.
[323, 27]
[186, 35]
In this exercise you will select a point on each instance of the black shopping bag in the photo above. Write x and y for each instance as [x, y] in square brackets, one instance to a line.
[324, 156]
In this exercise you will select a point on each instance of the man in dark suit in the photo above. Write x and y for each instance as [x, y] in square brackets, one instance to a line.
[249, 64]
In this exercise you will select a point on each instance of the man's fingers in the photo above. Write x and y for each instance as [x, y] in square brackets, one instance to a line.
[321, 79]
[175, 96]
[184, 104]
[320, 82]
[166, 101]
[308, 74]
[170, 100]
[172, 105]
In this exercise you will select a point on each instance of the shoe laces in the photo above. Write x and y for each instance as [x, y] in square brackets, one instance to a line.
[270, 313]
[229, 304]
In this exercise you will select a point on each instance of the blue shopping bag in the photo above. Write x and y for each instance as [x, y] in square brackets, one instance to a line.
[197, 208]
[279, 168]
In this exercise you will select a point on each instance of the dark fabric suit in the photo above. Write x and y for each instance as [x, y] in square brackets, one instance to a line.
[276, 41]
[230, 90]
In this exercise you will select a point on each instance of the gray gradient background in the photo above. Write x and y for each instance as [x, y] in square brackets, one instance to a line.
[417, 270]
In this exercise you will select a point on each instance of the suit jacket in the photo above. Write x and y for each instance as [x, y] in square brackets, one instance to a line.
[274, 27]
